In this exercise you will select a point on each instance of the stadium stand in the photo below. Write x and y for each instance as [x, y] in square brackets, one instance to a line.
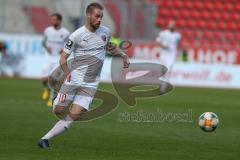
[32, 16]
[39, 17]
[13, 18]
[212, 23]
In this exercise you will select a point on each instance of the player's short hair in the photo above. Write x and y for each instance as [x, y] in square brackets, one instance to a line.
[92, 6]
[58, 15]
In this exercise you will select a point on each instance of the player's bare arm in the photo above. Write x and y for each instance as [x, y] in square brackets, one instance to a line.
[63, 64]
[116, 51]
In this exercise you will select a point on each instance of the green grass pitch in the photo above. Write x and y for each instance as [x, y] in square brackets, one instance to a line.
[24, 118]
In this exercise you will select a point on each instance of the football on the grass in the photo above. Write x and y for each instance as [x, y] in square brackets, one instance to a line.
[208, 121]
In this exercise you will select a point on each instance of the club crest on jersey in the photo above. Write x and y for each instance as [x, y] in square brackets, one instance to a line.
[104, 38]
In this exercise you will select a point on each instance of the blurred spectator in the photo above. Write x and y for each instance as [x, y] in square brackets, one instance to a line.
[10, 64]
[2, 50]
[116, 40]
[3, 57]
[183, 55]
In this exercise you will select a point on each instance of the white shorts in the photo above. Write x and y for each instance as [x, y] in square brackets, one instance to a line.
[168, 60]
[52, 63]
[72, 94]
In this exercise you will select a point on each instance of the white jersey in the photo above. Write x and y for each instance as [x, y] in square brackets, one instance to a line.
[55, 39]
[89, 50]
[171, 40]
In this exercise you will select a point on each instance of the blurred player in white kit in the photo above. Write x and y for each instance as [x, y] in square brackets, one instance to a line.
[169, 41]
[89, 45]
[55, 37]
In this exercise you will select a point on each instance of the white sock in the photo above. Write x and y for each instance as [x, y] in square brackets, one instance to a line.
[59, 128]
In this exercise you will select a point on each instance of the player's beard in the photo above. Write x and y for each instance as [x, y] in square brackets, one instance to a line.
[57, 26]
[95, 26]
[172, 29]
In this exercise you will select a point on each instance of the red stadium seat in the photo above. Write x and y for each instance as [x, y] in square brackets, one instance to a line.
[229, 36]
[190, 34]
[191, 24]
[166, 4]
[212, 25]
[167, 13]
[188, 4]
[225, 16]
[237, 8]
[219, 6]
[235, 17]
[178, 4]
[214, 44]
[205, 15]
[39, 17]
[196, 34]
[215, 15]
[209, 5]
[238, 36]
[185, 14]
[217, 35]
[222, 25]
[185, 42]
[185, 33]
[175, 13]
[203, 42]
[164, 12]
[181, 23]
[238, 26]
[234, 44]
[218, 22]
[201, 24]
[231, 26]
[213, 36]
[228, 7]
[199, 5]
[207, 35]
[195, 14]
[161, 23]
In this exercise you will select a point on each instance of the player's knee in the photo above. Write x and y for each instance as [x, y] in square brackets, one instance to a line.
[77, 116]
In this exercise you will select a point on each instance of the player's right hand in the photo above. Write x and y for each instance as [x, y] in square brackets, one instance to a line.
[164, 46]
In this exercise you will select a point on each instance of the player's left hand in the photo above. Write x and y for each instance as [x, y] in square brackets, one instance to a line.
[111, 47]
